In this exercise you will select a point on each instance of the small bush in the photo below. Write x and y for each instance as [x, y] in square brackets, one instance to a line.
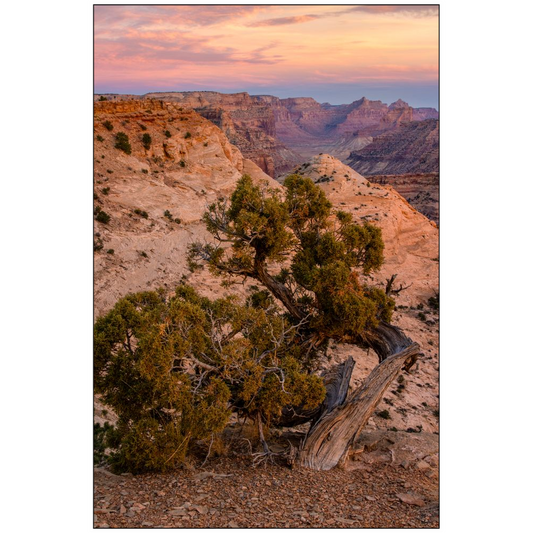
[433, 302]
[144, 254]
[102, 99]
[99, 138]
[110, 251]
[102, 216]
[168, 134]
[105, 191]
[99, 446]
[98, 244]
[107, 125]
[177, 220]
[144, 171]
[147, 141]
[109, 171]
[143, 127]
[167, 214]
[122, 142]
[384, 414]
[422, 316]
[188, 135]
[141, 213]
[182, 163]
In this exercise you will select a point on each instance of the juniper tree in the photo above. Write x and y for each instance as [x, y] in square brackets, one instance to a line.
[315, 261]
[174, 368]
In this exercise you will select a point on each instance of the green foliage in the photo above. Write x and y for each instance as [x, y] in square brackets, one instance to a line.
[434, 302]
[108, 126]
[122, 142]
[101, 215]
[141, 213]
[110, 251]
[143, 127]
[168, 134]
[105, 191]
[99, 442]
[102, 99]
[147, 141]
[99, 138]
[384, 414]
[188, 135]
[330, 254]
[172, 368]
[144, 171]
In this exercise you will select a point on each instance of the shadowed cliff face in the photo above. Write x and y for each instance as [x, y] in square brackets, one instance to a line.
[412, 148]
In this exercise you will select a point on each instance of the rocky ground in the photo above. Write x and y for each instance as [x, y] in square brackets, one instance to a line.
[390, 481]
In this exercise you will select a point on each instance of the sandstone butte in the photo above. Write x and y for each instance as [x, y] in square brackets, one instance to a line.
[192, 165]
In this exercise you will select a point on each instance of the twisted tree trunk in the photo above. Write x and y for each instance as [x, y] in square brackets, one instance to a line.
[330, 438]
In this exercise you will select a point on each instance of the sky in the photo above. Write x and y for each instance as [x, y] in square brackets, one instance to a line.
[333, 53]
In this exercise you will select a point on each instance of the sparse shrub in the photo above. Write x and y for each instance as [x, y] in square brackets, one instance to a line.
[433, 302]
[147, 141]
[102, 216]
[168, 134]
[144, 171]
[122, 142]
[143, 127]
[97, 244]
[99, 138]
[420, 306]
[205, 144]
[422, 316]
[167, 214]
[188, 135]
[384, 414]
[109, 171]
[182, 163]
[143, 254]
[108, 126]
[99, 445]
[102, 99]
[436, 413]
[105, 191]
[141, 213]
[110, 251]
[95, 196]
[177, 220]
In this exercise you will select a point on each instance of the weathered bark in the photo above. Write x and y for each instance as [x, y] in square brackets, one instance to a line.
[278, 289]
[328, 441]
[336, 381]
[385, 340]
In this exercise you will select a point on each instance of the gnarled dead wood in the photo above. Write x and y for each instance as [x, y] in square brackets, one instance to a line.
[329, 439]
[385, 340]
